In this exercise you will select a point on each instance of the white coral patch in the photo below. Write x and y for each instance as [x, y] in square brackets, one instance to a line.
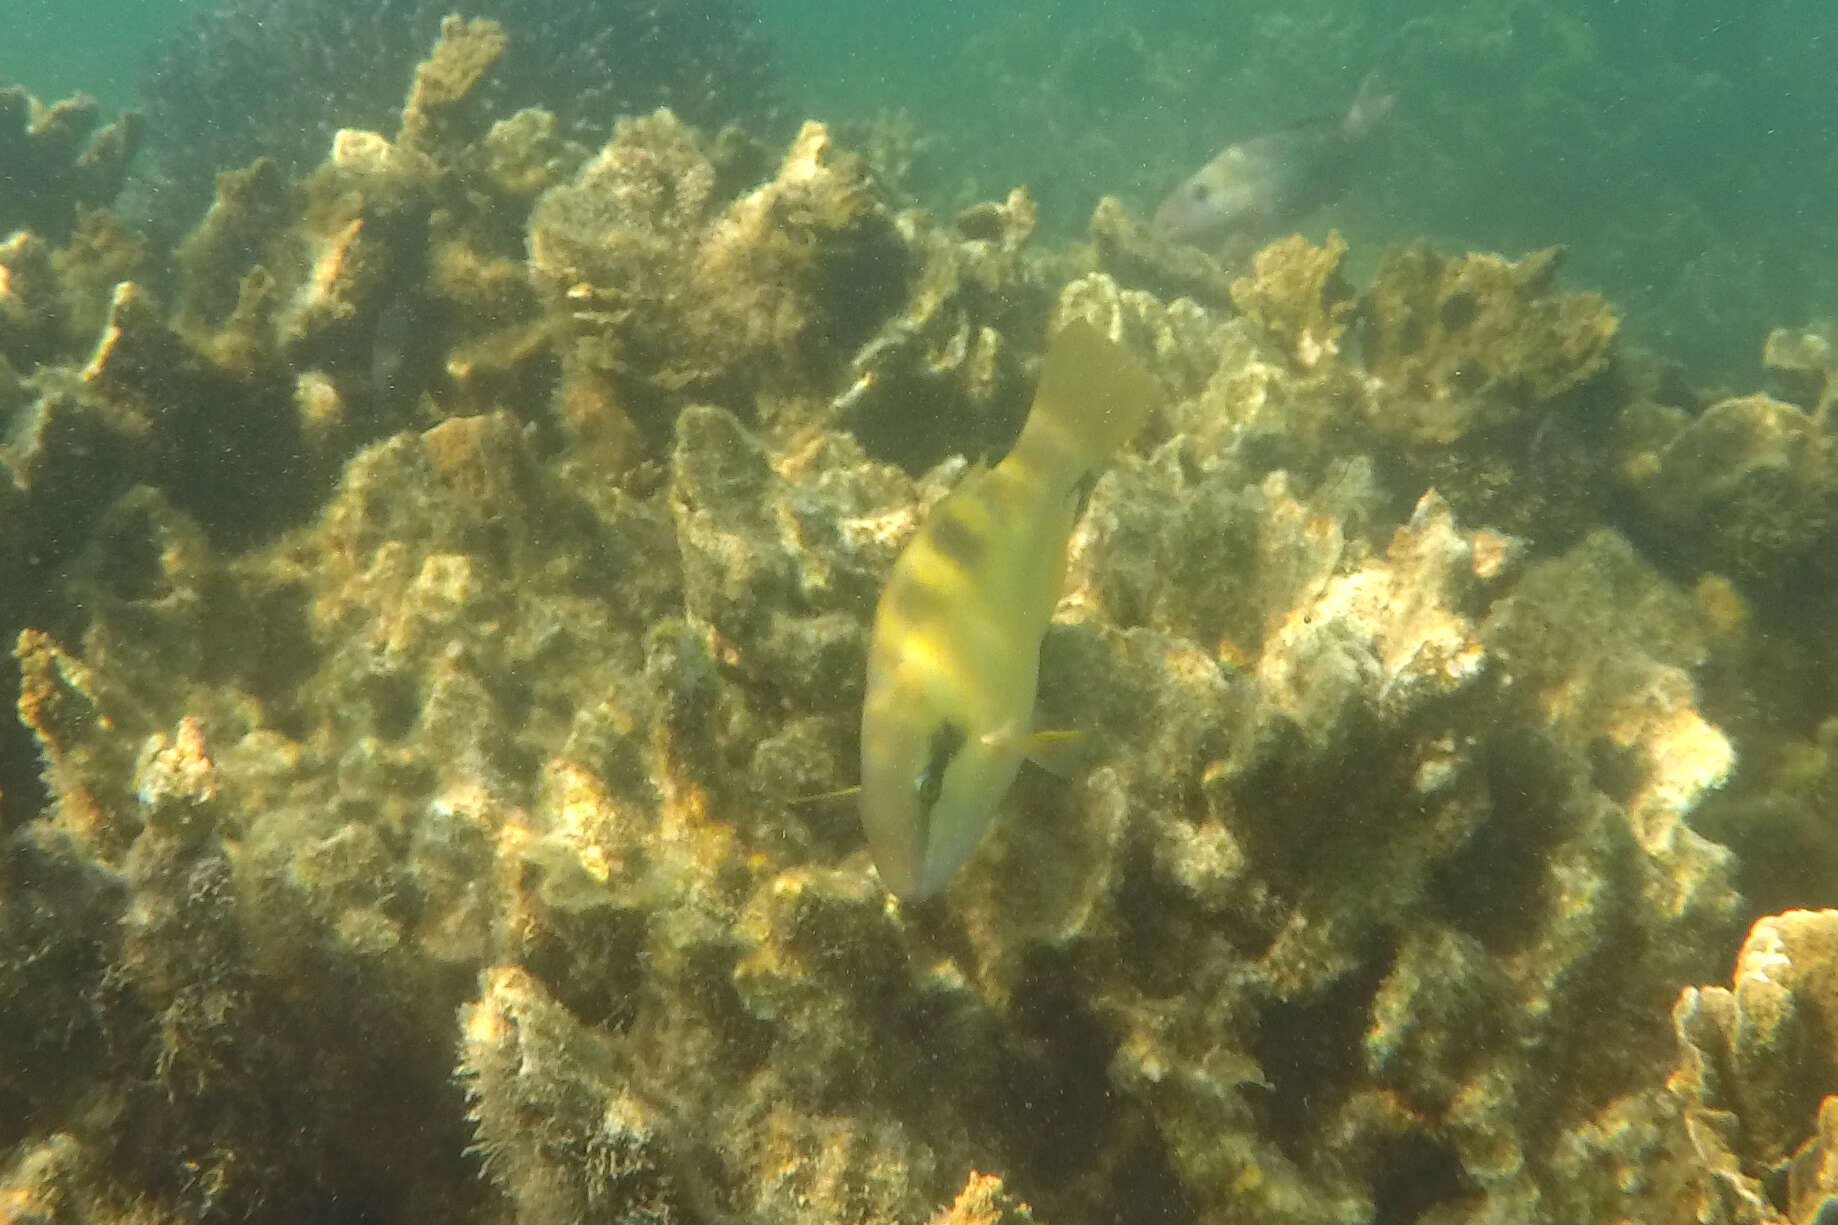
[1684, 756]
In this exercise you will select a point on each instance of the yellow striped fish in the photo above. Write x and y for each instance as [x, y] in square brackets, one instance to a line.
[956, 650]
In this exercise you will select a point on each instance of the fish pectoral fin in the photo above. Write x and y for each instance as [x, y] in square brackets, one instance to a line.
[824, 797]
[1062, 753]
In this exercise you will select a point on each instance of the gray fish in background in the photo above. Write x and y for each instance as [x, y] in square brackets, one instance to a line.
[1269, 182]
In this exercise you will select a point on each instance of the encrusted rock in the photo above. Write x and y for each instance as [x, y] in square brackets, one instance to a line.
[1752, 482]
[1805, 366]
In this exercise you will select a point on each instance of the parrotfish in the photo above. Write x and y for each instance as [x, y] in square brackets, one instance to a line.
[1259, 186]
[955, 655]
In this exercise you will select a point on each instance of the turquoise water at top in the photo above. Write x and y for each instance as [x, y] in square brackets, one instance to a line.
[1686, 152]
[837, 53]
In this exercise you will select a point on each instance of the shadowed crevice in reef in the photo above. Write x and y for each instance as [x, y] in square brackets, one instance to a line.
[1498, 879]
[1307, 1049]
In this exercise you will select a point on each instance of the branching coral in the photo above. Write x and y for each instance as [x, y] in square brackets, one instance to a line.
[277, 78]
[54, 159]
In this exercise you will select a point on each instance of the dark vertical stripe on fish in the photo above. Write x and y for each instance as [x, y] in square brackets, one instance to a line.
[956, 538]
[917, 600]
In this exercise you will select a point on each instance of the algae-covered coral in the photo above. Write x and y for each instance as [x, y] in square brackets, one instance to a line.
[436, 603]
[278, 77]
[56, 158]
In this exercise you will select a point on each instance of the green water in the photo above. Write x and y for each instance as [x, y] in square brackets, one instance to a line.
[60, 47]
[1686, 153]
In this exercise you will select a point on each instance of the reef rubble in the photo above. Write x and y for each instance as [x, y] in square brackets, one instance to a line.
[438, 586]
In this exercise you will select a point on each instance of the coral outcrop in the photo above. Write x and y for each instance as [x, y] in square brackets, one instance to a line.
[1756, 1081]
[1752, 480]
[1125, 247]
[1805, 366]
[253, 78]
[55, 160]
[439, 613]
[665, 293]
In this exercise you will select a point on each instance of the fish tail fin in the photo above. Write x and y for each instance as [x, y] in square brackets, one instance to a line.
[1093, 397]
[1371, 106]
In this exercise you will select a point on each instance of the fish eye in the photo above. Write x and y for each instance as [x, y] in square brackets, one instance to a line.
[929, 784]
[1201, 191]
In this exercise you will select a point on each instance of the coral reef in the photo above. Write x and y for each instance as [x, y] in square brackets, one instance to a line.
[1484, 326]
[666, 295]
[54, 159]
[1751, 481]
[1631, 137]
[277, 78]
[1297, 293]
[1805, 366]
[1756, 1080]
[984, 1202]
[435, 607]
